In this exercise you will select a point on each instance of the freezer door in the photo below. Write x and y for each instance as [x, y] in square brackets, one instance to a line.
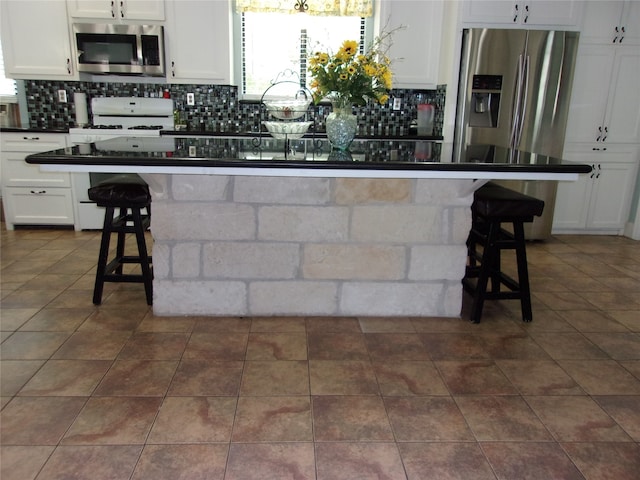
[549, 65]
[488, 52]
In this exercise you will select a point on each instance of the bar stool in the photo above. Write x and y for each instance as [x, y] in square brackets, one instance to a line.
[494, 205]
[130, 198]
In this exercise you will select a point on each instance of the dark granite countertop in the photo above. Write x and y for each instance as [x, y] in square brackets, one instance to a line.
[32, 130]
[183, 154]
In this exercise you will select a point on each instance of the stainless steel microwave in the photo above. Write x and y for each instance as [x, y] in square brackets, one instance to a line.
[120, 49]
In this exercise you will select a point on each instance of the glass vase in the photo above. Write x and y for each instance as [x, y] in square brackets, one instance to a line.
[341, 124]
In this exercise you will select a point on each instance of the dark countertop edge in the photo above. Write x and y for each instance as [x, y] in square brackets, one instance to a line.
[319, 135]
[32, 130]
[48, 158]
[248, 135]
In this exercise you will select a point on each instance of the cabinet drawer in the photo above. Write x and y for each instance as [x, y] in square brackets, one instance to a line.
[32, 142]
[38, 206]
[17, 173]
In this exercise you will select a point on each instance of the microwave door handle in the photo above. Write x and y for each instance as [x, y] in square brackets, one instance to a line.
[139, 48]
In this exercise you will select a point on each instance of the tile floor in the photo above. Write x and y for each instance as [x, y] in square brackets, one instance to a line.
[113, 392]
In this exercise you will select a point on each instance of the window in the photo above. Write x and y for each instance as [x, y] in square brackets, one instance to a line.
[7, 86]
[276, 38]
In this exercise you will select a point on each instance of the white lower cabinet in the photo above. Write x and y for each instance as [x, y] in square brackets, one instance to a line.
[599, 201]
[38, 206]
[32, 197]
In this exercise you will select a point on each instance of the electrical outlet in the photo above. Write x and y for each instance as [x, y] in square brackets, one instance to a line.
[191, 99]
[192, 151]
[397, 103]
[62, 96]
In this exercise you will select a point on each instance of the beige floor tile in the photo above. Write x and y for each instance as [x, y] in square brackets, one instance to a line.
[194, 420]
[281, 377]
[113, 421]
[350, 418]
[273, 419]
[358, 461]
[273, 461]
[169, 462]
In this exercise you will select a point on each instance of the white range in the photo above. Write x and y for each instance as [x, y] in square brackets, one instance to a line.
[115, 117]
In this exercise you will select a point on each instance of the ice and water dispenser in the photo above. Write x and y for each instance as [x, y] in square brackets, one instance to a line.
[485, 100]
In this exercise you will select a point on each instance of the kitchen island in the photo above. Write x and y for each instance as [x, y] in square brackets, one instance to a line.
[263, 227]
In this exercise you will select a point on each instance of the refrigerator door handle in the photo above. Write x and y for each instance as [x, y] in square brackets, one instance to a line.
[523, 99]
[515, 114]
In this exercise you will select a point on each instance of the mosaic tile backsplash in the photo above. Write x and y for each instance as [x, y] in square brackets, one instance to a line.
[218, 109]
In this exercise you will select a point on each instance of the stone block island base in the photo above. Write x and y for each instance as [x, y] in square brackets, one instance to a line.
[252, 245]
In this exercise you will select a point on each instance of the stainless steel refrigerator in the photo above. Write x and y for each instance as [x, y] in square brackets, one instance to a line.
[514, 91]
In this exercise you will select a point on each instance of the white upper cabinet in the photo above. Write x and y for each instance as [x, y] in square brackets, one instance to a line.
[121, 10]
[523, 13]
[609, 22]
[605, 100]
[198, 42]
[415, 49]
[36, 42]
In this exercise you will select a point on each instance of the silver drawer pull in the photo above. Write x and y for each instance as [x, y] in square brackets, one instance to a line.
[38, 192]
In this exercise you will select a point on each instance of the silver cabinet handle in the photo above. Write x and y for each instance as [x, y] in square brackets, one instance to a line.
[38, 192]
[31, 138]
[113, 9]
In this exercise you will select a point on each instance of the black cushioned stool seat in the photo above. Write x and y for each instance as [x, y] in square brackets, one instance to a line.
[494, 205]
[130, 198]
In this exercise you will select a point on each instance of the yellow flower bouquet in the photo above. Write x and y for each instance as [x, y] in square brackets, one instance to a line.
[351, 78]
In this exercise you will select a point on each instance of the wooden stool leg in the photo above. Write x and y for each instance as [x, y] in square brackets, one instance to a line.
[488, 256]
[102, 256]
[121, 242]
[144, 256]
[523, 271]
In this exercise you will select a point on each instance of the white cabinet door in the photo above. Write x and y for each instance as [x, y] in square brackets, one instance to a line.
[598, 201]
[17, 173]
[415, 49]
[605, 98]
[32, 197]
[572, 203]
[613, 21]
[92, 8]
[622, 117]
[117, 9]
[141, 9]
[565, 13]
[37, 206]
[630, 23]
[611, 195]
[198, 39]
[585, 122]
[36, 43]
